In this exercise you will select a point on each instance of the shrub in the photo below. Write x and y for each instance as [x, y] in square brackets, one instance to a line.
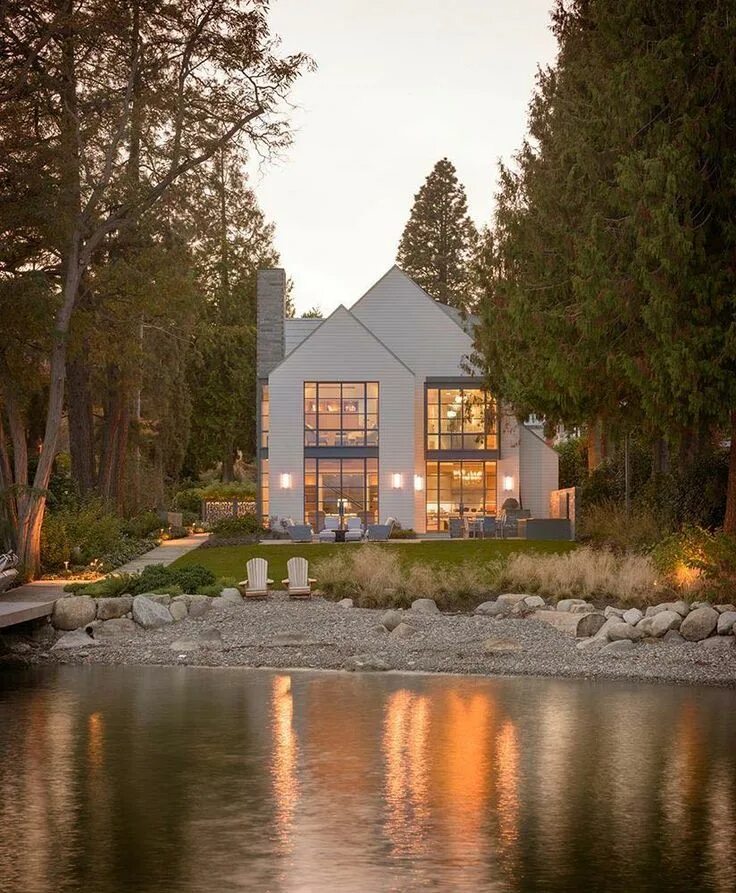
[157, 578]
[108, 587]
[398, 533]
[141, 526]
[213, 590]
[584, 573]
[172, 589]
[245, 525]
[696, 559]
[607, 524]
[79, 535]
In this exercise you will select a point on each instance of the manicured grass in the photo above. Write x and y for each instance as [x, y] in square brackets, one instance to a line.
[229, 561]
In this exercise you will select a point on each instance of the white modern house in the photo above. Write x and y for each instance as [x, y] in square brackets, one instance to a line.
[372, 412]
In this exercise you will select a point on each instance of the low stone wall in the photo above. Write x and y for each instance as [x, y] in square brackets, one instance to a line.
[85, 619]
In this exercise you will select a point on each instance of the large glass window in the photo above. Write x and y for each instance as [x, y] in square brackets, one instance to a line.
[459, 489]
[340, 413]
[461, 419]
[341, 488]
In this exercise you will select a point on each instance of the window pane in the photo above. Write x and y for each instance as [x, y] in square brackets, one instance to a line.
[433, 442]
[372, 389]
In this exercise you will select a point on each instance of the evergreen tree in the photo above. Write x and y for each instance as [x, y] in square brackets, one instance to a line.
[439, 239]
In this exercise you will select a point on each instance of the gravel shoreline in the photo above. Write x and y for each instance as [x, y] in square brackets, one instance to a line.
[322, 635]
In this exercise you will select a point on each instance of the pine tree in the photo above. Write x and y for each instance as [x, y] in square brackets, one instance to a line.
[439, 239]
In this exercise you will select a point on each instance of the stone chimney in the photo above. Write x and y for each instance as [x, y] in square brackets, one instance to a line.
[270, 308]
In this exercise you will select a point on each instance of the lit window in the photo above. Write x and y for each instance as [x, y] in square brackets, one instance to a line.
[340, 414]
[460, 419]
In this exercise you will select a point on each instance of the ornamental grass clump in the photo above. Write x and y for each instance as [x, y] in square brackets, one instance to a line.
[584, 573]
[370, 575]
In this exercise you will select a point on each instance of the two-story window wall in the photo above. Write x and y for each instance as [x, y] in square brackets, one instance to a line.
[341, 414]
[461, 432]
[340, 444]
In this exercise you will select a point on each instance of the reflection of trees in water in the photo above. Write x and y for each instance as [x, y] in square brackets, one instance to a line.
[185, 779]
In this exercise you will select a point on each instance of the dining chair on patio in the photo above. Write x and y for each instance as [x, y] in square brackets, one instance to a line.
[457, 528]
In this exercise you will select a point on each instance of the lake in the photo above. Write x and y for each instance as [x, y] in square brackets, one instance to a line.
[155, 780]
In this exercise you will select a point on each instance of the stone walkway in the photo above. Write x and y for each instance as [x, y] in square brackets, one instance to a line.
[165, 554]
[34, 600]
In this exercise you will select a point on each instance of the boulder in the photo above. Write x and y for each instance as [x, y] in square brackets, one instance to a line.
[199, 605]
[425, 606]
[161, 598]
[186, 598]
[618, 648]
[535, 601]
[679, 607]
[366, 663]
[645, 625]
[203, 638]
[726, 623]
[345, 603]
[621, 631]
[78, 638]
[699, 624]
[673, 637]
[73, 612]
[512, 598]
[565, 604]
[109, 608]
[150, 614]
[501, 646]
[722, 609]
[178, 610]
[115, 628]
[593, 643]
[632, 616]
[610, 611]
[663, 622]
[222, 604]
[579, 625]
[391, 619]
[403, 631]
[232, 595]
[584, 608]
[492, 609]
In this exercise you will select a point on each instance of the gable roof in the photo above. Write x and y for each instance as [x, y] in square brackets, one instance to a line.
[340, 309]
[449, 312]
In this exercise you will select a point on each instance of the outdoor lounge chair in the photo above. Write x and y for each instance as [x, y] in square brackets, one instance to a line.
[354, 533]
[256, 584]
[457, 528]
[378, 532]
[328, 534]
[299, 583]
[300, 533]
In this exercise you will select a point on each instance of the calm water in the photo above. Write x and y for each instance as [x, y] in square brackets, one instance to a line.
[183, 779]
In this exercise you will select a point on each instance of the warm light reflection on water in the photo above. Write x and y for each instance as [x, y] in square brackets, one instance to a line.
[155, 780]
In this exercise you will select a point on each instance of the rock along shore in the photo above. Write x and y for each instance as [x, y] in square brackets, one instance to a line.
[512, 635]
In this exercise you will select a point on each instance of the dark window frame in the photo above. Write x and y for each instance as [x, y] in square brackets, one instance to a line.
[341, 431]
[462, 451]
[365, 460]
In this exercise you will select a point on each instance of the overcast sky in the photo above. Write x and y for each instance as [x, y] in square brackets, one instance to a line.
[399, 84]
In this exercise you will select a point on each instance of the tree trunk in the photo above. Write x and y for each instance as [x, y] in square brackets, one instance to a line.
[729, 522]
[660, 456]
[81, 424]
[114, 438]
[228, 465]
[595, 445]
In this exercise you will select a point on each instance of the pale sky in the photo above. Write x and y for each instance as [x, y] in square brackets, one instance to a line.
[399, 85]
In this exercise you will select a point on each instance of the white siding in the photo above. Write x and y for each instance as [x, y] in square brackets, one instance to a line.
[539, 473]
[342, 350]
[509, 462]
[296, 330]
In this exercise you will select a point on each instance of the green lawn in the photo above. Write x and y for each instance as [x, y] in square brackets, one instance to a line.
[229, 561]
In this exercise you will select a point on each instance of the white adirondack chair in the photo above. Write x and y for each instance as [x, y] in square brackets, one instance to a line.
[256, 585]
[299, 583]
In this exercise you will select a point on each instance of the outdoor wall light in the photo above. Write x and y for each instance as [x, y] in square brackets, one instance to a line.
[418, 482]
[508, 483]
[396, 481]
[286, 481]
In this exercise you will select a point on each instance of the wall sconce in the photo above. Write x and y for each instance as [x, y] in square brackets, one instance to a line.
[508, 483]
[396, 481]
[286, 481]
[418, 482]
